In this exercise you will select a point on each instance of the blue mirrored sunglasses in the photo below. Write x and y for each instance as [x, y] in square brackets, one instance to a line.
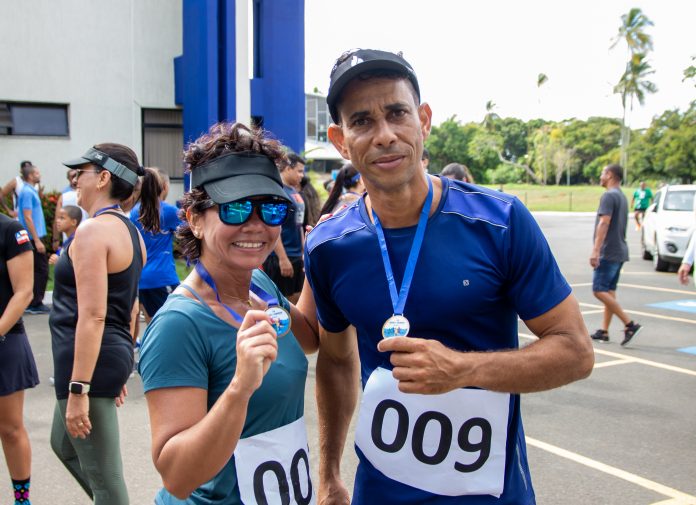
[272, 211]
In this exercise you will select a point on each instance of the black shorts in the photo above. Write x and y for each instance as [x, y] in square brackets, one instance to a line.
[17, 366]
[287, 285]
[152, 299]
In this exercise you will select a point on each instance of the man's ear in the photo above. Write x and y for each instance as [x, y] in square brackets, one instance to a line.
[426, 115]
[336, 137]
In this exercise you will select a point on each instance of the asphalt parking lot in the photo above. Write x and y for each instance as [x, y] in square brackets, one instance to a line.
[624, 436]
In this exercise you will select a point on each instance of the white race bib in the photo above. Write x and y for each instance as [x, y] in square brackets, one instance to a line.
[450, 444]
[273, 467]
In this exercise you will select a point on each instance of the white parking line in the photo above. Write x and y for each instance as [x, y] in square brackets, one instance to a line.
[652, 288]
[615, 472]
[597, 311]
[642, 287]
[628, 359]
[676, 501]
[613, 362]
[641, 313]
[647, 362]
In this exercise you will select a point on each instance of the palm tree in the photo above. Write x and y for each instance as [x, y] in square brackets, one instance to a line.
[632, 83]
[632, 31]
[541, 80]
[491, 116]
[632, 86]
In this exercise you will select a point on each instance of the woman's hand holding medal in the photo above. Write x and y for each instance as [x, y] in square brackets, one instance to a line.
[257, 348]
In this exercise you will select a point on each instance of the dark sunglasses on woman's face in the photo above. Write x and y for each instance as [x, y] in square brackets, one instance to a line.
[272, 211]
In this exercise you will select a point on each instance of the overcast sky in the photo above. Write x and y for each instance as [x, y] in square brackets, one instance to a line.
[468, 52]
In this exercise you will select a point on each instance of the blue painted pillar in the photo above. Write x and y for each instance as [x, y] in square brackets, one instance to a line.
[205, 73]
[277, 90]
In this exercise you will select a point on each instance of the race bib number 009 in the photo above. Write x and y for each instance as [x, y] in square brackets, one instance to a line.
[451, 444]
[273, 467]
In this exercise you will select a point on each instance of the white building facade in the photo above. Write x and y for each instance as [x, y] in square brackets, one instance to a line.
[74, 73]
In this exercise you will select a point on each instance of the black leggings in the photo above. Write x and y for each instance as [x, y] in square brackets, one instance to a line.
[94, 462]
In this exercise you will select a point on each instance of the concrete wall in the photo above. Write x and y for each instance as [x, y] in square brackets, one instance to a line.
[106, 59]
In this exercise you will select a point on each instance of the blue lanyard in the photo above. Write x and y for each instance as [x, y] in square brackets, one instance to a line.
[399, 301]
[65, 244]
[200, 269]
[271, 300]
[104, 209]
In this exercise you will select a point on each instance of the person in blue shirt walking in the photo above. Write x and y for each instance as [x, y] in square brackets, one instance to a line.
[158, 278]
[422, 282]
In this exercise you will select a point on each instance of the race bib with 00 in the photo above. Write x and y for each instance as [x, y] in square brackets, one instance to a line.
[273, 467]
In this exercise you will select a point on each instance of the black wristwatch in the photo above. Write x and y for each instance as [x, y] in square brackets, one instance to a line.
[78, 387]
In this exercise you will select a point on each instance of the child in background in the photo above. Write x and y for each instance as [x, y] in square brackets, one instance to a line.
[68, 219]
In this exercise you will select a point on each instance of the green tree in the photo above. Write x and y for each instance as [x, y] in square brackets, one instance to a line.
[638, 43]
[632, 32]
[449, 143]
[690, 72]
[632, 86]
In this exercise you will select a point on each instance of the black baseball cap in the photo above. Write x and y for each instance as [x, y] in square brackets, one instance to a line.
[238, 175]
[358, 61]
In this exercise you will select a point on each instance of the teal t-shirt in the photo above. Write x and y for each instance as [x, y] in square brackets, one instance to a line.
[186, 344]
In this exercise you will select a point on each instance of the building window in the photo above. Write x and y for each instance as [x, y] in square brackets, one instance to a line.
[163, 141]
[34, 119]
[318, 120]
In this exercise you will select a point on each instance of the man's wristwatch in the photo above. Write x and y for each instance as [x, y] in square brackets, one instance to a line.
[78, 387]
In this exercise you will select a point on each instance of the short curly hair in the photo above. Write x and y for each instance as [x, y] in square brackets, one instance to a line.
[222, 138]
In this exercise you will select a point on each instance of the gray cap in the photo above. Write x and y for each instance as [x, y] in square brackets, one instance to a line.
[96, 157]
[236, 176]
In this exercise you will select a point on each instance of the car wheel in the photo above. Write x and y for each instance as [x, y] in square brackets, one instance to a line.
[643, 249]
[659, 264]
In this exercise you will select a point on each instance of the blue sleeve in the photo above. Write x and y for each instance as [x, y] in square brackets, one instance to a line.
[134, 215]
[330, 316]
[171, 218]
[25, 200]
[535, 284]
[174, 352]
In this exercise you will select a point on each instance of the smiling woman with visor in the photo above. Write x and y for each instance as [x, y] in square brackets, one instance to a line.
[223, 362]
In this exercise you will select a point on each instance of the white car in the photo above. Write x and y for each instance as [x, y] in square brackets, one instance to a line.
[668, 224]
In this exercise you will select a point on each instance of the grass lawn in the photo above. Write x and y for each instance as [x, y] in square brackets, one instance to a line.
[559, 198]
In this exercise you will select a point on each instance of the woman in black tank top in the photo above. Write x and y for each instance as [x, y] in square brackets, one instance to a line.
[92, 341]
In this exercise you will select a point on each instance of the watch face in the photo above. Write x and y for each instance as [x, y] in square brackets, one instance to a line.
[77, 388]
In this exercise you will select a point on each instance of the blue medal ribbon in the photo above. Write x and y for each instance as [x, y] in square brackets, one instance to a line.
[104, 209]
[271, 300]
[200, 269]
[65, 244]
[399, 300]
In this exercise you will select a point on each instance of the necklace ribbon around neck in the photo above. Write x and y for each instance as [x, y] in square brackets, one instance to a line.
[397, 325]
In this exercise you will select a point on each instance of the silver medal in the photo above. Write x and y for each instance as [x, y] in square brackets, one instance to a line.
[396, 326]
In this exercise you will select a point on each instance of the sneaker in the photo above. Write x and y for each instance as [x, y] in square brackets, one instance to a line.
[52, 380]
[631, 331]
[38, 309]
[600, 335]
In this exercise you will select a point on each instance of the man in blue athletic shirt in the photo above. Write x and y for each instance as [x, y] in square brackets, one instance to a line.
[422, 282]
